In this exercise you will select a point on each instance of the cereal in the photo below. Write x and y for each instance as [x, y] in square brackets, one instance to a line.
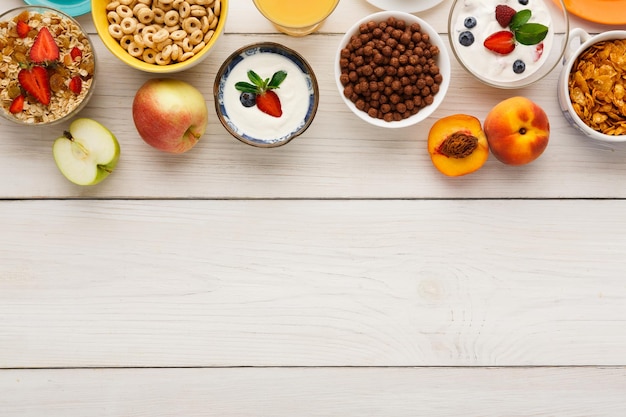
[597, 87]
[67, 35]
[389, 69]
[163, 31]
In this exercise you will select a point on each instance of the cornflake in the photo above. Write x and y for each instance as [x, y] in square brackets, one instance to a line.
[597, 87]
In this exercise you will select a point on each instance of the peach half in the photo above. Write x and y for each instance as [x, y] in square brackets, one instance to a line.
[457, 145]
[517, 130]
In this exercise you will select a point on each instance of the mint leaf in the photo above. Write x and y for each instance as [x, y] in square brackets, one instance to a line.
[246, 87]
[277, 79]
[254, 77]
[519, 19]
[531, 33]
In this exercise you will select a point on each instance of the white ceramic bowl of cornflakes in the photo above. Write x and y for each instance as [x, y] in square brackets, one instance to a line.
[592, 85]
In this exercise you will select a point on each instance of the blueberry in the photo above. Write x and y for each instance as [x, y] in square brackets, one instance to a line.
[523, 2]
[519, 66]
[247, 99]
[466, 38]
[470, 22]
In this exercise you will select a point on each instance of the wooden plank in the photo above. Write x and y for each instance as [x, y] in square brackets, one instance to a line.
[315, 283]
[315, 392]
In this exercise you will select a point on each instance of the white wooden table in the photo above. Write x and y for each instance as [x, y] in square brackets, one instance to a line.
[339, 275]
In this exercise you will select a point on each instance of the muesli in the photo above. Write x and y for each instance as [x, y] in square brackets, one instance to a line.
[47, 66]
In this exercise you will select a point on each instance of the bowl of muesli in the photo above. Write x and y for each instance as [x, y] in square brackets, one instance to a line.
[48, 66]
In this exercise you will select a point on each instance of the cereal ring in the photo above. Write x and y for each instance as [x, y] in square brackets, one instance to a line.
[217, 7]
[128, 25]
[196, 37]
[148, 39]
[160, 60]
[113, 5]
[176, 4]
[138, 39]
[145, 15]
[178, 35]
[166, 52]
[172, 29]
[126, 2]
[126, 40]
[150, 29]
[171, 18]
[135, 50]
[149, 56]
[196, 49]
[160, 46]
[113, 17]
[176, 52]
[124, 11]
[186, 44]
[115, 30]
[146, 2]
[137, 7]
[213, 23]
[159, 15]
[165, 2]
[184, 10]
[204, 20]
[204, 2]
[198, 11]
[161, 35]
[185, 56]
[208, 36]
[191, 23]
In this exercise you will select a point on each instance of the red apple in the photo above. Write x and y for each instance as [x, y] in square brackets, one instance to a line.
[517, 130]
[170, 115]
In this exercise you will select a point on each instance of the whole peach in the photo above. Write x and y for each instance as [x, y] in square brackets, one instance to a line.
[517, 130]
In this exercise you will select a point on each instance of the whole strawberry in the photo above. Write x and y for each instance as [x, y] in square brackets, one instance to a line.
[261, 92]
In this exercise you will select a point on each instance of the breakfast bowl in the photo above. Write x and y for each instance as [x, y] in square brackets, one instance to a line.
[266, 94]
[73, 8]
[47, 74]
[592, 86]
[392, 69]
[508, 43]
[158, 38]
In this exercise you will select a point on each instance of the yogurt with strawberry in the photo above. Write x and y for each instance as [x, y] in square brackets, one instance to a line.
[495, 46]
[275, 112]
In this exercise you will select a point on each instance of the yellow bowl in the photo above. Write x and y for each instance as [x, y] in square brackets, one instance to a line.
[99, 13]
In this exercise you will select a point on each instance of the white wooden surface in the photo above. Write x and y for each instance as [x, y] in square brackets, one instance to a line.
[340, 275]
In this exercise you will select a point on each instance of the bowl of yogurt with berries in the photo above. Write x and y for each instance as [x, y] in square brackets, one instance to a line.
[266, 94]
[508, 43]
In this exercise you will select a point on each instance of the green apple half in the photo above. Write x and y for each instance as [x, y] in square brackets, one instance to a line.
[87, 153]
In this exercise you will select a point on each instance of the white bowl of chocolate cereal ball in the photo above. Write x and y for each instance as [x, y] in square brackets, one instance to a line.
[392, 69]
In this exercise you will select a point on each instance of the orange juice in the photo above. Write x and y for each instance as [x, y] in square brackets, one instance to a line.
[296, 17]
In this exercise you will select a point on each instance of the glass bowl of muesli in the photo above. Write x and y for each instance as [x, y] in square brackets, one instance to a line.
[48, 66]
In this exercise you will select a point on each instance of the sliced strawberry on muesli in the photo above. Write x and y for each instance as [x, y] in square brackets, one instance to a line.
[44, 48]
[36, 82]
[17, 105]
[76, 85]
[22, 29]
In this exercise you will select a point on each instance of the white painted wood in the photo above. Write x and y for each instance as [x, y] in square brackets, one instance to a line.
[349, 392]
[315, 283]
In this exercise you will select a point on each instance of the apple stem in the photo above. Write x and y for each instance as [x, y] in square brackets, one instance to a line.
[68, 135]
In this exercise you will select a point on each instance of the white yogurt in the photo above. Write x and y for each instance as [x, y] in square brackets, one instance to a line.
[486, 63]
[293, 94]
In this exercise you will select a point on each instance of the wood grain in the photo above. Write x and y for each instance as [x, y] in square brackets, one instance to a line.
[315, 283]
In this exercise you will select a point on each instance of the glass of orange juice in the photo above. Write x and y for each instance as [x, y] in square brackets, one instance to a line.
[296, 17]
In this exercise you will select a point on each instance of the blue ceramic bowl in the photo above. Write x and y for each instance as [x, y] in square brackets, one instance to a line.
[249, 125]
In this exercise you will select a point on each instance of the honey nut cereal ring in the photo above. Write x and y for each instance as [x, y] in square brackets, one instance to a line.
[146, 2]
[176, 52]
[111, 6]
[145, 15]
[126, 2]
[185, 56]
[217, 7]
[184, 10]
[204, 21]
[186, 44]
[126, 40]
[113, 17]
[196, 37]
[162, 45]
[196, 49]
[208, 36]
[147, 38]
[152, 29]
[138, 39]
[166, 52]
[160, 60]
[172, 29]
[137, 7]
[191, 23]
[124, 11]
[198, 11]
[165, 2]
[115, 30]
[149, 56]
[160, 36]
[214, 22]
[159, 15]
[176, 3]
[135, 50]
[171, 18]
[178, 35]
[204, 2]
[128, 25]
